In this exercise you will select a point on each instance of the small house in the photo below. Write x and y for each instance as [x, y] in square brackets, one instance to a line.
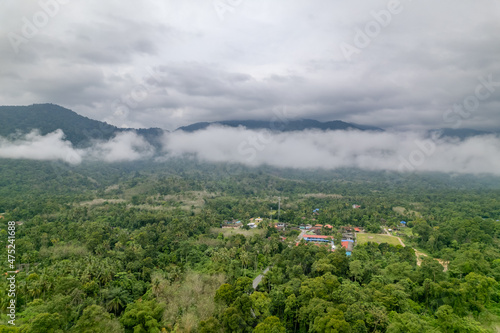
[348, 245]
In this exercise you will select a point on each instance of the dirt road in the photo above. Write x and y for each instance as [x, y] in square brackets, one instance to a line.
[419, 254]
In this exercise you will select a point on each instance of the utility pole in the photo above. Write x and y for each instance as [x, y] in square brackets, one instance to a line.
[279, 207]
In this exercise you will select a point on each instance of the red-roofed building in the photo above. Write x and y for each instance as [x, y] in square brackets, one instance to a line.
[348, 245]
[357, 229]
[317, 238]
[330, 247]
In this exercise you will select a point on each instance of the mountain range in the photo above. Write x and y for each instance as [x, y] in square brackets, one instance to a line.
[81, 131]
[283, 125]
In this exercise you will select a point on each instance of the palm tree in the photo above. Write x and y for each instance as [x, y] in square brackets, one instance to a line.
[117, 299]
[245, 259]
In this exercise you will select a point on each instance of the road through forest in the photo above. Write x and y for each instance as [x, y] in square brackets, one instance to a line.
[419, 254]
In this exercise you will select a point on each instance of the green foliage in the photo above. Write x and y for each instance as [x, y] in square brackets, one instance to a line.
[143, 317]
[225, 294]
[232, 321]
[96, 320]
[408, 323]
[46, 323]
[270, 325]
[136, 248]
[211, 325]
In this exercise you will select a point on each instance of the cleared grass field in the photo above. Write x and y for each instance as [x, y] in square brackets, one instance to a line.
[376, 238]
[227, 232]
[404, 211]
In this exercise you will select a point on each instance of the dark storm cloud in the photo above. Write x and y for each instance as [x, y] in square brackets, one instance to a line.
[97, 58]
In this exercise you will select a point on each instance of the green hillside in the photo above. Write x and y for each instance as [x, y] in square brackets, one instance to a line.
[47, 118]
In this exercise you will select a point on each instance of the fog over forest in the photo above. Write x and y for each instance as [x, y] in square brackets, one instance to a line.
[395, 151]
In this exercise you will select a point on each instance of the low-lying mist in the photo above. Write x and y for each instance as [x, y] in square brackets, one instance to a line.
[392, 151]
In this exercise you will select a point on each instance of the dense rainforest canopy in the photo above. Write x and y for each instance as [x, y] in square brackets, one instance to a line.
[135, 247]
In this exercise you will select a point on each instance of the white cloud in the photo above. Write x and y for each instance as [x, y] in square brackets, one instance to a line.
[395, 151]
[392, 151]
[40, 147]
[126, 146]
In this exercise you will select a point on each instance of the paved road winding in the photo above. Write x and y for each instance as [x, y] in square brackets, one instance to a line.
[257, 280]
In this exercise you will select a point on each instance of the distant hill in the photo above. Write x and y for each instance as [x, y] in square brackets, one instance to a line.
[461, 133]
[81, 130]
[47, 118]
[282, 126]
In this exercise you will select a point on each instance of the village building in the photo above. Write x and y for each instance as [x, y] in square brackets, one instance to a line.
[348, 244]
[320, 239]
[234, 224]
[348, 235]
[281, 226]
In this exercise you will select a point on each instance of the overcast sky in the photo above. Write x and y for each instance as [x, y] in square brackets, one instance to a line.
[171, 63]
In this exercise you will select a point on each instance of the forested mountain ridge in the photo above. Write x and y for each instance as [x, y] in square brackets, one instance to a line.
[282, 125]
[80, 130]
[47, 118]
[461, 133]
